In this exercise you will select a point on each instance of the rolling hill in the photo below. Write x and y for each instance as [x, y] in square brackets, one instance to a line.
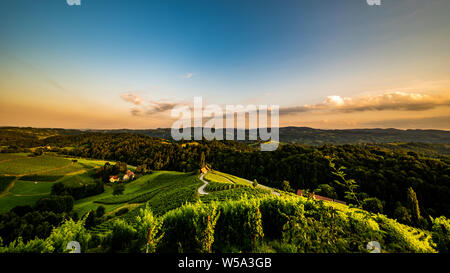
[247, 218]
[301, 135]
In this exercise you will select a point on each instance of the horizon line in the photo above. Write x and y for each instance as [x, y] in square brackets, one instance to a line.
[224, 128]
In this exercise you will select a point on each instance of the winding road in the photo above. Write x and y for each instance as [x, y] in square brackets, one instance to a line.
[201, 190]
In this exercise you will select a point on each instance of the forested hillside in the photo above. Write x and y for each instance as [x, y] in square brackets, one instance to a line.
[385, 173]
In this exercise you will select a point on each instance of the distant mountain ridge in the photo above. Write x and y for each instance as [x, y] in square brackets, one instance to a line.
[301, 135]
[311, 136]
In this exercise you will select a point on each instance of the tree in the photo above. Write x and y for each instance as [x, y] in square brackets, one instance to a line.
[441, 234]
[118, 189]
[120, 167]
[69, 230]
[91, 219]
[255, 183]
[372, 204]
[100, 211]
[55, 203]
[122, 235]
[286, 186]
[413, 206]
[326, 190]
[349, 185]
[143, 169]
[202, 160]
[401, 214]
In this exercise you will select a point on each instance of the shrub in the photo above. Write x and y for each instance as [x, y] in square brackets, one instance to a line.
[373, 205]
[118, 189]
[122, 211]
[239, 225]
[55, 243]
[190, 228]
[441, 234]
[274, 213]
[148, 228]
[100, 211]
[122, 236]
[55, 203]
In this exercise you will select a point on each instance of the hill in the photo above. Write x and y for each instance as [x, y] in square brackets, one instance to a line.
[306, 135]
[24, 179]
[301, 135]
[238, 214]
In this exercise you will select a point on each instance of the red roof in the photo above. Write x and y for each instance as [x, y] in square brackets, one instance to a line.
[319, 197]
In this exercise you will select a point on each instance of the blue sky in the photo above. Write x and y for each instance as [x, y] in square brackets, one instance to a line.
[251, 51]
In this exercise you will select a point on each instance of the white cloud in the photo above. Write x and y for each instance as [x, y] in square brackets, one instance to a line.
[396, 101]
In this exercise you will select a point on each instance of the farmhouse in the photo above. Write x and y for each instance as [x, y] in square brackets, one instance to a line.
[205, 169]
[113, 178]
[130, 174]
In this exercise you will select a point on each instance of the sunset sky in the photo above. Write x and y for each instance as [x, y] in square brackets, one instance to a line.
[126, 64]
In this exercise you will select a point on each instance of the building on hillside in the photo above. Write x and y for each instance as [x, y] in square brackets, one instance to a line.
[114, 178]
[205, 169]
[130, 174]
[318, 197]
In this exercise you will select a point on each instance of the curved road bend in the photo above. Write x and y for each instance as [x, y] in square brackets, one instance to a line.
[201, 190]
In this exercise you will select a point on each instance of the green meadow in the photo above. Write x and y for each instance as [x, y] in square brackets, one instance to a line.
[25, 179]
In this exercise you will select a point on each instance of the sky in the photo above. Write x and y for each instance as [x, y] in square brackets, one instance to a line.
[333, 64]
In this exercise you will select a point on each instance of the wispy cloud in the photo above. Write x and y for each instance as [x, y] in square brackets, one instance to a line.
[132, 98]
[143, 108]
[160, 107]
[188, 75]
[397, 101]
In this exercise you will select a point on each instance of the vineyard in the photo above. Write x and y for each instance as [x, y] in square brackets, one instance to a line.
[235, 216]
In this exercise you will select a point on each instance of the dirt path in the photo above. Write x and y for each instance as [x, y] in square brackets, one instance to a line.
[8, 160]
[201, 190]
[10, 186]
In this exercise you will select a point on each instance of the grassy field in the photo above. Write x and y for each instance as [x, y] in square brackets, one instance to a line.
[24, 179]
[233, 179]
[214, 176]
[30, 165]
[8, 157]
[5, 181]
[10, 201]
[156, 189]
[23, 188]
